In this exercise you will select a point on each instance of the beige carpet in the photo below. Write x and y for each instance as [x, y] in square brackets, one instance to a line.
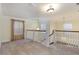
[26, 47]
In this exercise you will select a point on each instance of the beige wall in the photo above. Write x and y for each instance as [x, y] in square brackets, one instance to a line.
[0, 23]
[6, 29]
[59, 21]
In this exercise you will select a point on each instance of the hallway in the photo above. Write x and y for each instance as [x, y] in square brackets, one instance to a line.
[39, 25]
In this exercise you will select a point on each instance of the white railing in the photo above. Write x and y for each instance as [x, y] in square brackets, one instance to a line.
[70, 38]
[35, 34]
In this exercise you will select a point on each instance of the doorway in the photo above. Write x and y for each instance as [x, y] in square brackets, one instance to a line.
[17, 29]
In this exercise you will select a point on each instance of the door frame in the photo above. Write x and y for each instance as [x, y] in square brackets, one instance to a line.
[12, 29]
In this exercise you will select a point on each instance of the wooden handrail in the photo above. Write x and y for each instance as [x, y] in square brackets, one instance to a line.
[52, 33]
[65, 31]
[36, 30]
[61, 31]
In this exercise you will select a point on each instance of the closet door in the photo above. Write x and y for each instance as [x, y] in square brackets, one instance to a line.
[17, 29]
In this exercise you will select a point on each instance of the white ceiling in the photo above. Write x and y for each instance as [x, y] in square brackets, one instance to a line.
[26, 10]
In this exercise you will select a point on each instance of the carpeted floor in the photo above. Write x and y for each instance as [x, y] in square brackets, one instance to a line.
[26, 47]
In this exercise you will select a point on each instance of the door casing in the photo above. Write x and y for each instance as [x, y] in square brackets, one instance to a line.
[12, 28]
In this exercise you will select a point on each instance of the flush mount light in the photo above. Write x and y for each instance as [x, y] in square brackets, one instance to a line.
[50, 9]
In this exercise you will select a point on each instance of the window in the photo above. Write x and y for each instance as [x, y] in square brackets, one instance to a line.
[43, 26]
[67, 26]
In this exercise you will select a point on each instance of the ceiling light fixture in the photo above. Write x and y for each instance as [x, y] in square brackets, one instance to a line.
[50, 9]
